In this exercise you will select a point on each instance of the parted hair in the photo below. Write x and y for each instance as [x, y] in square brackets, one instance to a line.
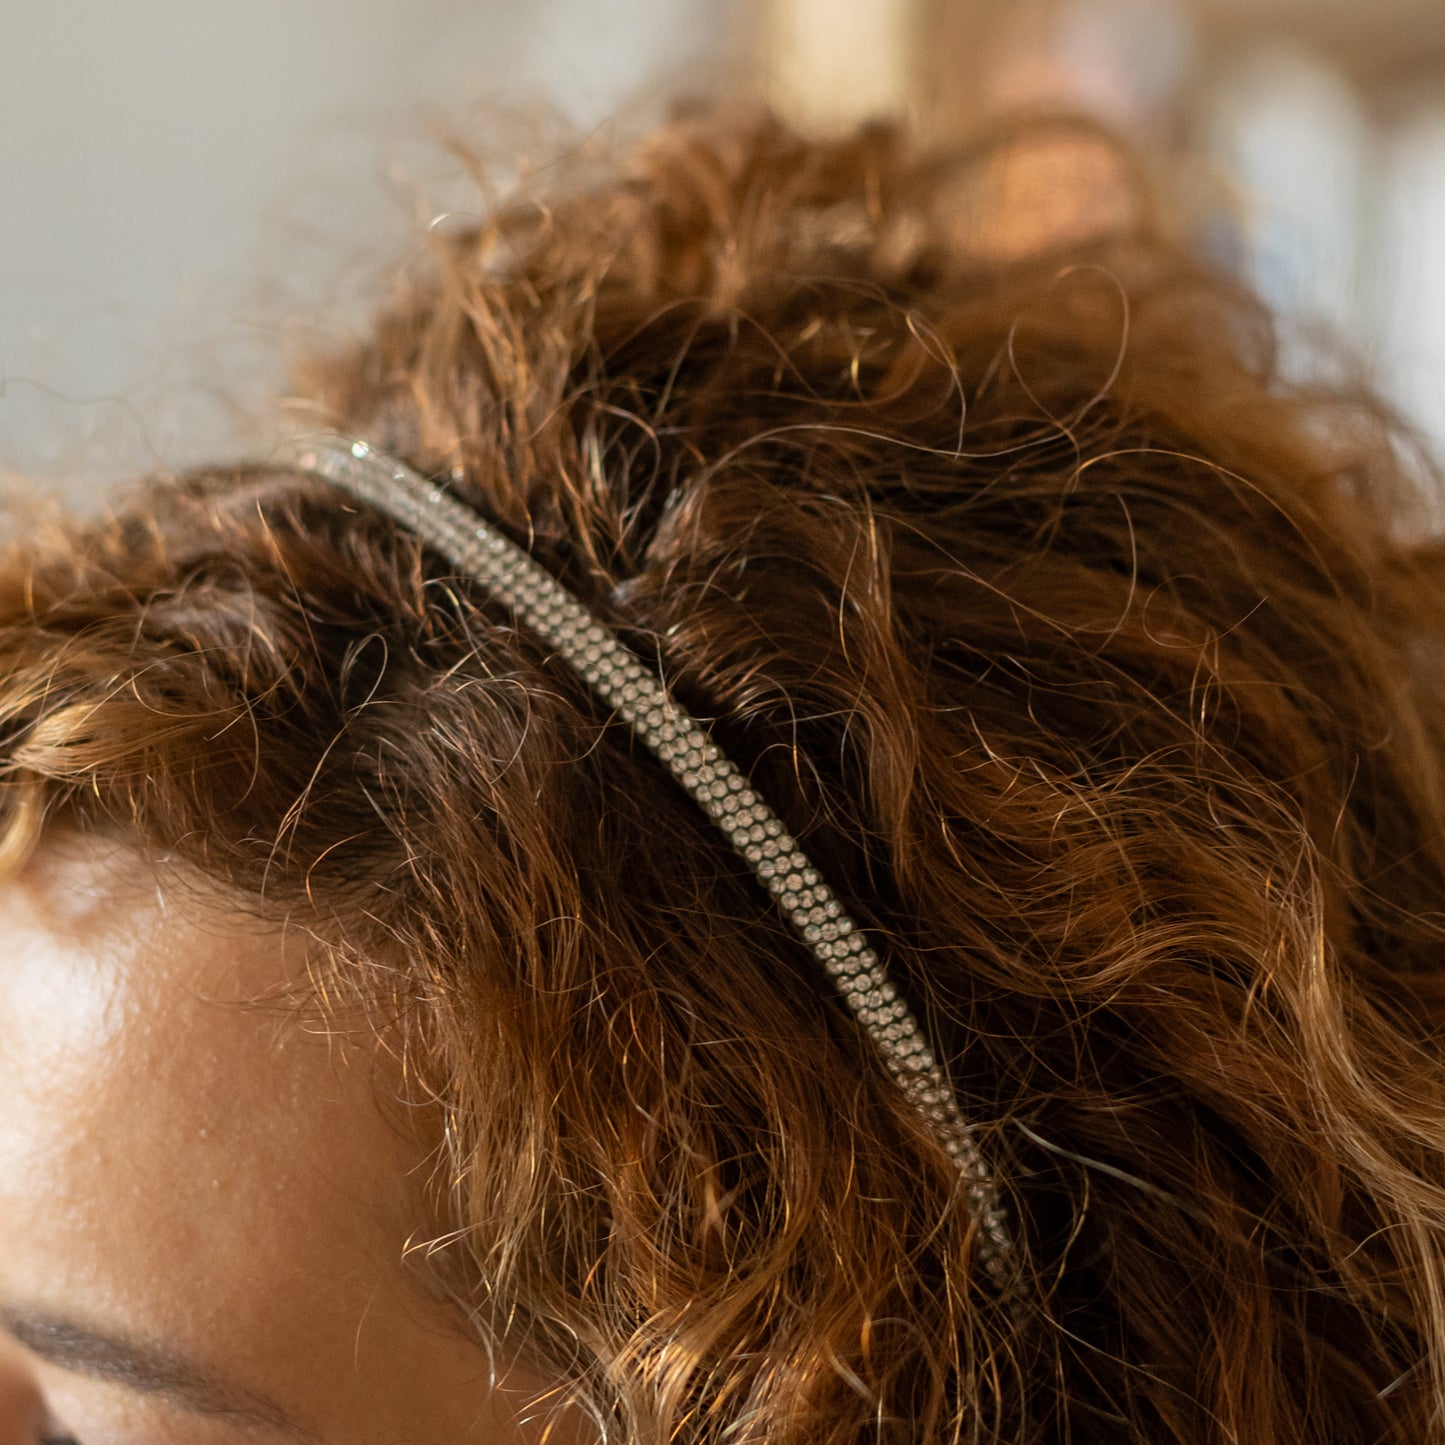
[1100, 668]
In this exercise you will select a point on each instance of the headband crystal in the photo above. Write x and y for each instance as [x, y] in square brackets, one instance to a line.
[625, 683]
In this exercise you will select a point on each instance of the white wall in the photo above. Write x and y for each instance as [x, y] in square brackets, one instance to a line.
[176, 176]
[179, 178]
[1413, 247]
[1292, 135]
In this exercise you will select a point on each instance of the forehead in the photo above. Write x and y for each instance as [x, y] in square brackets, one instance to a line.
[169, 1118]
[132, 1012]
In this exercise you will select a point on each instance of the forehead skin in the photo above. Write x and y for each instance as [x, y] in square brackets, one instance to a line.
[183, 1168]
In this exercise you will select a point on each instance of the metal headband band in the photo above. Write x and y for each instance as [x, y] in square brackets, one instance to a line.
[626, 684]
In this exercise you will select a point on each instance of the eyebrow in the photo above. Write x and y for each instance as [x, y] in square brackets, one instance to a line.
[150, 1369]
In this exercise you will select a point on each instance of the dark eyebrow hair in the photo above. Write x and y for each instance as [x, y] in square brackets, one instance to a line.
[151, 1369]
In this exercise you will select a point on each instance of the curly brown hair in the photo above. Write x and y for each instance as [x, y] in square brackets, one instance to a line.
[1098, 667]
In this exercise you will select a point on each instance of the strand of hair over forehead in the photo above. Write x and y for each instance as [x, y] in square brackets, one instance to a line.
[621, 680]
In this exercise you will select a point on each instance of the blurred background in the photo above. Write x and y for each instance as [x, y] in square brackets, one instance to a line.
[181, 179]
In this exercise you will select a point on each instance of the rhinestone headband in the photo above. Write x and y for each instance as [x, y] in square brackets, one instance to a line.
[626, 684]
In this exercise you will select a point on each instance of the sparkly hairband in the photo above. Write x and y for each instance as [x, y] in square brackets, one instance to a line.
[621, 679]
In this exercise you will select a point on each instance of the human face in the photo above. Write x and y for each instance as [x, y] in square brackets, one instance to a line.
[205, 1202]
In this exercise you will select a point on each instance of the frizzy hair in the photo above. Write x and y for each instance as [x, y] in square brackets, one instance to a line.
[1097, 667]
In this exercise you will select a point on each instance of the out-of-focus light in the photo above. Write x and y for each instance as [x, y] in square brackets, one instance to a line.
[1293, 136]
[831, 63]
[1412, 257]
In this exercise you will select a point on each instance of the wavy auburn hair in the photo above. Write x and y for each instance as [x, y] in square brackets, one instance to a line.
[1100, 669]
